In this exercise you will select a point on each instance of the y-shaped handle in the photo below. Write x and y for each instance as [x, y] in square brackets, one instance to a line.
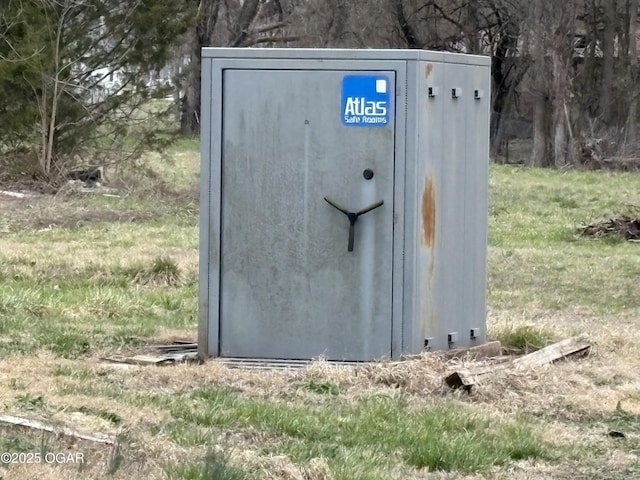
[353, 217]
[370, 207]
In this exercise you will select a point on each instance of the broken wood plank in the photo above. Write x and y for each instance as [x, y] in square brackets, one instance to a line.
[182, 356]
[147, 359]
[178, 348]
[57, 430]
[16, 194]
[118, 365]
[140, 360]
[159, 359]
[174, 344]
[467, 377]
[556, 351]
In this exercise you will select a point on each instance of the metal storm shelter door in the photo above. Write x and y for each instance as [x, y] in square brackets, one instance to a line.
[302, 150]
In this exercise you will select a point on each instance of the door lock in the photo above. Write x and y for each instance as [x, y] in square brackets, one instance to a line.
[353, 217]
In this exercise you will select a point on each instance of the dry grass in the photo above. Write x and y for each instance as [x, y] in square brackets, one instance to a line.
[565, 393]
[85, 265]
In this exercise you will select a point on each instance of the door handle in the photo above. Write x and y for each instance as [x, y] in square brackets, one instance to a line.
[353, 217]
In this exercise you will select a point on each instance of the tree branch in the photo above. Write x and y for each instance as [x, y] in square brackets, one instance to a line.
[408, 32]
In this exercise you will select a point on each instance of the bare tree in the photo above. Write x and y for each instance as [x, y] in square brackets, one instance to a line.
[608, 50]
[231, 23]
[634, 77]
[50, 91]
[551, 29]
[509, 65]
[569, 68]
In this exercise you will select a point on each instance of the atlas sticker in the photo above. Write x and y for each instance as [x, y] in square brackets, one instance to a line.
[365, 101]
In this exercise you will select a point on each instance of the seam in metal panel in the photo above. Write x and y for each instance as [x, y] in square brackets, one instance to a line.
[395, 232]
[404, 212]
[402, 320]
[220, 236]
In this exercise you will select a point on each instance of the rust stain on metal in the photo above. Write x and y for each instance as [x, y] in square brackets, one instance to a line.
[430, 275]
[428, 68]
[433, 325]
[428, 213]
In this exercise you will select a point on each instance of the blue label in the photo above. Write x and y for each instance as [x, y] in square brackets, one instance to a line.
[366, 101]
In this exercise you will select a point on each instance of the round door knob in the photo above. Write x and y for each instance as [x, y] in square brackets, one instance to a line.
[367, 174]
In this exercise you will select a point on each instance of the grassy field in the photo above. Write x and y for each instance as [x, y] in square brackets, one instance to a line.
[84, 276]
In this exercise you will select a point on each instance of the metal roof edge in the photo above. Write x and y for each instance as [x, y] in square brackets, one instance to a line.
[345, 54]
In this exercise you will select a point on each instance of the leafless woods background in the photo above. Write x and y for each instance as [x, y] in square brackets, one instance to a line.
[564, 74]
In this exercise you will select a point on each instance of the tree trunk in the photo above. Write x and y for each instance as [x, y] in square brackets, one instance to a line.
[190, 103]
[608, 42]
[632, 117]
[559, 138]
[201, 36]
[409, 34]
[246, 16]
[541, 84]
[561, 120]
[473, 28]
[335, 29]
[233, 30]
[539, 153]
[507, 70]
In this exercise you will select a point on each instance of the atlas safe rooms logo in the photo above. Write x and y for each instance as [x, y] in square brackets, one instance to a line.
[365, 101]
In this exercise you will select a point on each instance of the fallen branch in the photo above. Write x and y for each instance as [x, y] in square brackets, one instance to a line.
[57, 430]
[467, 377]
[628, 228]
[16, 194]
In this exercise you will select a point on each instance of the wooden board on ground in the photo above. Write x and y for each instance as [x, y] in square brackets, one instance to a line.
[467, 377]
[57, 430]
[162, 356]
[556, 351]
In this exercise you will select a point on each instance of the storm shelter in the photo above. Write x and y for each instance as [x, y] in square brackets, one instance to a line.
[343, 202]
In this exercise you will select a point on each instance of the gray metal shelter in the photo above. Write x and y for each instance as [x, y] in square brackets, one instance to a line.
[343, 202]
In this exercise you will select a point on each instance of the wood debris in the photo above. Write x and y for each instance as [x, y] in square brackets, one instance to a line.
[627, 227]
[176, 352]
[17, 194]
[467, 377]
[57, 430]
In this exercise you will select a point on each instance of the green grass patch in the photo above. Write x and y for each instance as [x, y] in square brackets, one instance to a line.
[321, 387]
[15, 444]
[63, 343]
[448, 436]
[624, 421]
[476, 448]
[541, 207]
[71, 319]
[71, 372]
[215, 466]
[27, 401]
[111, 417]
[537, 260]
[162, 271]
[528, 338]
